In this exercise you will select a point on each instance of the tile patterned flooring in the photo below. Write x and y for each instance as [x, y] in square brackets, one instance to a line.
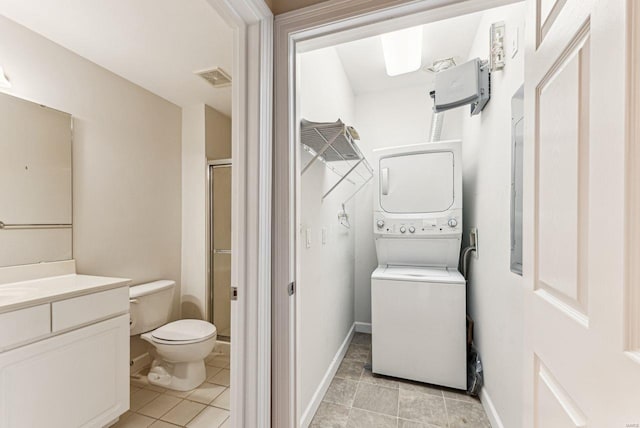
[358, 399]
[206, 406]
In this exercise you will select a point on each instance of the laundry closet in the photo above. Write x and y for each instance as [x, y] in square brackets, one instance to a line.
[408, 207]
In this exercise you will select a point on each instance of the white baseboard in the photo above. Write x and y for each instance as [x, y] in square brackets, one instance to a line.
[140, 362]
[311, 409]
[490, 409]
[363, 327]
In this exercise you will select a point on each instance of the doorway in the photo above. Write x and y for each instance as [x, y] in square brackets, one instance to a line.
[220, 254]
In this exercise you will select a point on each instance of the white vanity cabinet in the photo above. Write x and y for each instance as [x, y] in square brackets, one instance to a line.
[65, 363]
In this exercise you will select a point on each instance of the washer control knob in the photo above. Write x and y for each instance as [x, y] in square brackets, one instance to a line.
[380, 224]
[403, 229]
[412, 229]
[453, 222]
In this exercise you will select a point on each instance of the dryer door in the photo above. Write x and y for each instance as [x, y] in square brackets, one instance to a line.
[417, 182]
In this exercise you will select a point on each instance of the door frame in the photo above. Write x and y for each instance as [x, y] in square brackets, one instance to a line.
[314, 27]
[251, 129]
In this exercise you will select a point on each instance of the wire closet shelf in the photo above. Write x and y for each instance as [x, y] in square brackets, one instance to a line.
[333, 143]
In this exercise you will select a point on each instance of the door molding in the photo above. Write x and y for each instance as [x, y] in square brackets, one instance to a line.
[632, 280]
[321, 25]
[252, 24]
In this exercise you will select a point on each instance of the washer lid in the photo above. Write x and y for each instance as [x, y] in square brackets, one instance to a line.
[185, 331]
[418, 274]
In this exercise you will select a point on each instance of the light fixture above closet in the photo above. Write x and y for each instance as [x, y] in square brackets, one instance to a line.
[402, 51]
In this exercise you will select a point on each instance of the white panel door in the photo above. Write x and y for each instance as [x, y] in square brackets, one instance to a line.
[578, 370]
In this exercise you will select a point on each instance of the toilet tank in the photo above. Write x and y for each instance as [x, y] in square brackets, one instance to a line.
[150, 305]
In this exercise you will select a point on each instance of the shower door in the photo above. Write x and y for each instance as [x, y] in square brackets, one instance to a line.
[220, 249]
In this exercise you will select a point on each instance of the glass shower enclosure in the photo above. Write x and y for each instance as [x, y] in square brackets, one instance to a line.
[220, 248]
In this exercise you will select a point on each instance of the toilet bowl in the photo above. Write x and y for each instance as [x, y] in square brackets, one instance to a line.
[180, 347]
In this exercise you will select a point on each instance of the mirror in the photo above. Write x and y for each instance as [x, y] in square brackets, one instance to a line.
[35, 183]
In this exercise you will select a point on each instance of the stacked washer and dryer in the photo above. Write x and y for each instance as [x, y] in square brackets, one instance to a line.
[418, 297]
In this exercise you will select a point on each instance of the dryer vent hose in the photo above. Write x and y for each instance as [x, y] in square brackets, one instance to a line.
[435, 133]
[465, 258]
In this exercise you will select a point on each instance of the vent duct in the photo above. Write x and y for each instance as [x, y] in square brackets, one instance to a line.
[217, 77]
[437, 118]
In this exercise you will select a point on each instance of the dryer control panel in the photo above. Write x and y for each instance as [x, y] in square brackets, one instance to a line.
[442, 225]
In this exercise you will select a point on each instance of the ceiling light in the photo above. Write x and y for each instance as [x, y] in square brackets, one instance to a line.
[4, 82]
[402, 51]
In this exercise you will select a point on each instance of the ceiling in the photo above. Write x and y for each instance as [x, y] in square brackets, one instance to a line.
[156, 44]
[363, 60]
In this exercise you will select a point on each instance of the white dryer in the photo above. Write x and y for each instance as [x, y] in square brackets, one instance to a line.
[418, 297]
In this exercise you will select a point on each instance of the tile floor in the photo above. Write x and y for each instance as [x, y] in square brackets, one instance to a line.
[206, 406]
[357, 398]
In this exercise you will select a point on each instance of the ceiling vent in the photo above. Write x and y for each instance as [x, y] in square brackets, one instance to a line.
[216, 76]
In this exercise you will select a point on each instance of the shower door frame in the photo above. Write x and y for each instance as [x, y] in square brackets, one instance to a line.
[218, 163]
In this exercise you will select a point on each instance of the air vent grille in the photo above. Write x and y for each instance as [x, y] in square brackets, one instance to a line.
[217, 77]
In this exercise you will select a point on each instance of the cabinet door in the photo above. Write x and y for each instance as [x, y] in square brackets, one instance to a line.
[77, 379]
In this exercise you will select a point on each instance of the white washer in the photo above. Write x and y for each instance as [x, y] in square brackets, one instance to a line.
[418, 297]
[419, 324]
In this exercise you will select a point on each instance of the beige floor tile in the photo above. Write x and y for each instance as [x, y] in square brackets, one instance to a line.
[179, 394]
[226, 424]
[163, 424]
[155, 388]
[211, 417]
[212, 370]
[221, 361]
[139, 379]
[159, 406]
[206, 393]
[141, 398]
[221, 378]
[183, 412]
[135, 421]
[223, 400]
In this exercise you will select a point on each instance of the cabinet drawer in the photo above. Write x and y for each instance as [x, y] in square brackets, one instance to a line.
[24, 325]
[85, 309]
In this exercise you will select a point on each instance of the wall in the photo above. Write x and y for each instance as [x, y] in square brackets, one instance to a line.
[325, 271]
[385, 119]
[194, 210]
[126, 159]
[217, 134]
[206, 134]
[495, 294]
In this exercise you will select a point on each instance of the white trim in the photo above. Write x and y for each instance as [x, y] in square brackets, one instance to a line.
[252, 23]
[490, 409]
[140, 362]
[363, 327]
[313, 27]
[312, 408]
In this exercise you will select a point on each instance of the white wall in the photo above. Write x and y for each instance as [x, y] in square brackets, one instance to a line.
[325, 271]
[126, 159]
[194, 211]
[385, 119]
[495, 294]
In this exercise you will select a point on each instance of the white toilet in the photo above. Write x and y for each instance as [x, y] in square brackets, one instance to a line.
[181, 346]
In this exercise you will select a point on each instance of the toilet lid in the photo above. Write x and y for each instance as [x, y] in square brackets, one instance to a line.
[185, 331]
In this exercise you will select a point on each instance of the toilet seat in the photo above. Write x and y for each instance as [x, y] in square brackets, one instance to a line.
[183, 332]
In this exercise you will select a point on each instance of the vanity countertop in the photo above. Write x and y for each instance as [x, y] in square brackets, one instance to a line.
[23, 294]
